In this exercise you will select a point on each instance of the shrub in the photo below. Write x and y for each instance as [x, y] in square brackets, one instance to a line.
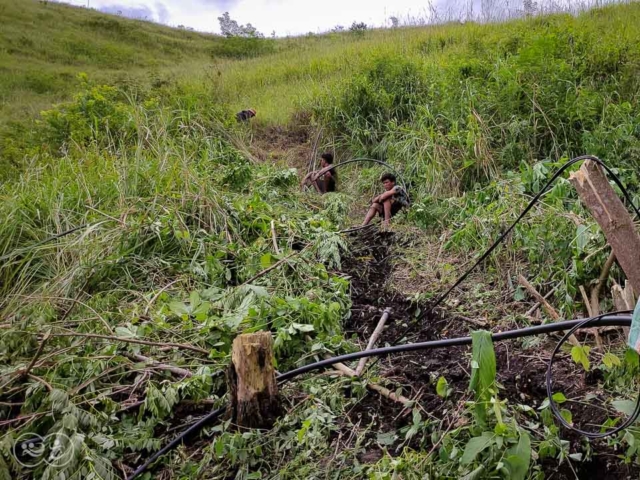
[241, 47]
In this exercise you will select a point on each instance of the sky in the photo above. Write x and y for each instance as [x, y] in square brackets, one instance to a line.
[285, 17]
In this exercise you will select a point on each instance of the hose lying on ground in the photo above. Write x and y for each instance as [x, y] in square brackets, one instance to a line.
[618, 319]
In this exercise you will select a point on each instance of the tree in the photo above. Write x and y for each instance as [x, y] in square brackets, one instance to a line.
[358, 28]
[231, 28]
[530, 7]
[395, 22]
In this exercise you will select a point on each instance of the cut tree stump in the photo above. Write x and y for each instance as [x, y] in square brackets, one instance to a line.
[254, 400]
[608, 210]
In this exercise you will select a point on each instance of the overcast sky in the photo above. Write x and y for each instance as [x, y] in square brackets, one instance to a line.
[286, 17]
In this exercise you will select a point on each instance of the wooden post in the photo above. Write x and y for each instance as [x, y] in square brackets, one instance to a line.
[606, 207]
[252, 382]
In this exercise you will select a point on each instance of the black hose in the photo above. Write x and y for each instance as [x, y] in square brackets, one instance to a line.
[554, 407]
[621, 319]
[372, 160]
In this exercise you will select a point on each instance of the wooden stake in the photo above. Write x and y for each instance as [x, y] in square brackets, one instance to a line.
[374, 338]
[623, 298]
[253, 389]
[608, 210]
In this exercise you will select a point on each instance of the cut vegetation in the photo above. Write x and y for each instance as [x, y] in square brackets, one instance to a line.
[143, 230]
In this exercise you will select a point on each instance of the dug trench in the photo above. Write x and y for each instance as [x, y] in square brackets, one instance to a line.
[520, 372]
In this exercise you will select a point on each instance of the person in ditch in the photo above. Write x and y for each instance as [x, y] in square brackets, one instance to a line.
[245, 115]
[388, 203]
[326, 182]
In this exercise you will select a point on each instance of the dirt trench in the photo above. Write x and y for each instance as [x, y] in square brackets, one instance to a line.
[521, 371]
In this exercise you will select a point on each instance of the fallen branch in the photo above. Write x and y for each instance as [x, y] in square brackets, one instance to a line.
[372, 341]
[538, 304]
[547, 306]
[157, 295]
[42, 381]
[133, 340]
[84, 385]
[274, 238]
[478, 323]
[275, 265]
[385, 392]
[44, 341]
[161, 366]
[585, 299]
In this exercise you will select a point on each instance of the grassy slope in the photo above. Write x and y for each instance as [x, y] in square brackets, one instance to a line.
[44, 45]
[182, 220]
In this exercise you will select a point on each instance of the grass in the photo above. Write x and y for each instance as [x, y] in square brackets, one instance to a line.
[145, 151]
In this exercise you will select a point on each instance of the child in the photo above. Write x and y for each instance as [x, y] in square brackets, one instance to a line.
[389, 203]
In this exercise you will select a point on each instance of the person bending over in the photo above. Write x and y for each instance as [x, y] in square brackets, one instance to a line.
[327, 181]
[245, 115]
[389, 203]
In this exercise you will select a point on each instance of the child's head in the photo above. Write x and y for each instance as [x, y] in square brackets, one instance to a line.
[327, 159]
[388, 181]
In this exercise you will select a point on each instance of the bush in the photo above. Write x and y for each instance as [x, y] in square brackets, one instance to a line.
[241, 47]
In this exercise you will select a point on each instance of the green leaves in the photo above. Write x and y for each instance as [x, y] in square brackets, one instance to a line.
[610, 360]
[519, 457]
[475, 446]
[442, 387]
[580, 355]
[625, 407]
[483, 372]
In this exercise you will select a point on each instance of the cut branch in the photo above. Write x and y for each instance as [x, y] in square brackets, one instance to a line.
[374, 338]
[181, 372]
[275, 265]
[274, 237]
[550, 310]
[385, 392]
[133, 340]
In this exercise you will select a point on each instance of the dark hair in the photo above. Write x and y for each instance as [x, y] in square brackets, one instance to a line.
[388, 176]
[327, 157]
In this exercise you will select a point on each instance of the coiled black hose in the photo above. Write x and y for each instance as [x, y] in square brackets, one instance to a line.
[554, 407]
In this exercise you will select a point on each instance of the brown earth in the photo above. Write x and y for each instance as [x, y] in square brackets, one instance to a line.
[521, 370]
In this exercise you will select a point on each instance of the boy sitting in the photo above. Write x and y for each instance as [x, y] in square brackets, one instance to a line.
[389, 203]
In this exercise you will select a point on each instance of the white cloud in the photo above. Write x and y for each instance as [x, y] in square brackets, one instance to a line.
[286, 17]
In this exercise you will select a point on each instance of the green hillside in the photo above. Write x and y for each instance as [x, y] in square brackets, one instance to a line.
[44, 45]
[143, 229]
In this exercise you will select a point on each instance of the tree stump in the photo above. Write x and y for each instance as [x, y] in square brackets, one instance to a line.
[251, 378]
[606, 207]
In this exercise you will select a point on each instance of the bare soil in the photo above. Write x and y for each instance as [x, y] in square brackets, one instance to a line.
[521, 371]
